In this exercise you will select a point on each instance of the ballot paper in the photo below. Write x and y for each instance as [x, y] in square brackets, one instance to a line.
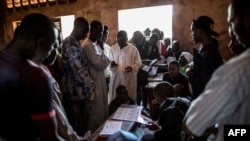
[110, 127]
[128, 114]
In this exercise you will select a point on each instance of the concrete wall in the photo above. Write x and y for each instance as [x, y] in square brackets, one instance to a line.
[184, 11]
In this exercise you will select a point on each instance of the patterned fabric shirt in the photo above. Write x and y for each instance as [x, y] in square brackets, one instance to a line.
[225, 100]
[76, 81]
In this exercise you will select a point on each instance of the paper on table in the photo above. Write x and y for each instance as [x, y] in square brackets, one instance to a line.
[129, 114]
[110, 127]
[153, 71]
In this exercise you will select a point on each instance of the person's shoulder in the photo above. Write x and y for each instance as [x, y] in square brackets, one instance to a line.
[183, 75]
[131, 45]
[68, 40]
[243, 57]
[114, 46]
[178, 103]
[131, 101]
[35, 69]
[87, 43]
[114, 102]
[240, 62]
[174, 108]
[69, 43]
[183, 100]
[107, 46]
[167, 102]
[165, 75]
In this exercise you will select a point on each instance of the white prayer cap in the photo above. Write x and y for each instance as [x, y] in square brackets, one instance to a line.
[188, 56]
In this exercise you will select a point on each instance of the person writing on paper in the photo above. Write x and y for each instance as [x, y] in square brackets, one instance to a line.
[174, 76]
[125, 63]
[168, 115]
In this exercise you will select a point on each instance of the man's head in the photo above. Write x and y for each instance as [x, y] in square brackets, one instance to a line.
[105, 34]
[167, 41]
[202, 26]
[122, 93]
[233, 45]
[176, 46]
[57, 47]
[239, 20]
[173, 69]
[162, 91]
[157, 31]
[179, 90]
[81, 28]
[35, 37]
[96, 30]
[147, 32]
[122, 38]
[153, 39]
[137, 37]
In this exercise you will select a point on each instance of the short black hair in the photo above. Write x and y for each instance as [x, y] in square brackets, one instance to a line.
[122, 33]
[35, 26]
[119, 89]
[155, 36]
[174, 62]
[164, 89]
[94, 24]
[80, 21]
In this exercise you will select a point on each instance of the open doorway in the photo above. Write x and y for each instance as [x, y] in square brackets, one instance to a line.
[67, 24]
[64, 23]
[159, 17]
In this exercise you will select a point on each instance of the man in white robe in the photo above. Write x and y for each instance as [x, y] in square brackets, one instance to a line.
[125, 63]
[98, 61]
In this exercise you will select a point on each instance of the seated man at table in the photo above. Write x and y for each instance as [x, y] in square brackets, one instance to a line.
[174, 76]
[121, 98]
[170, 114]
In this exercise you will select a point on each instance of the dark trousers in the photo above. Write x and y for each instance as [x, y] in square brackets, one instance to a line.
[141, 95]
[77, 115]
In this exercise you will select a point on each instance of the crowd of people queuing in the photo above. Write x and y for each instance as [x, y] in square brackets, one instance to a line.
[65, 88]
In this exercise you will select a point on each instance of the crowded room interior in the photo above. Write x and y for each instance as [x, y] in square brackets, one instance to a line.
[124, 70]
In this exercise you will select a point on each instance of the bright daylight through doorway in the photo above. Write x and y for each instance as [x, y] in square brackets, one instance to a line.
[159, 17]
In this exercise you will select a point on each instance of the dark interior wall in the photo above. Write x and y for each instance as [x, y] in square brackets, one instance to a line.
[184, 11]
[2, 19]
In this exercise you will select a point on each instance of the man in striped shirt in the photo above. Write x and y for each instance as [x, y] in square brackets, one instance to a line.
[226, 98]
